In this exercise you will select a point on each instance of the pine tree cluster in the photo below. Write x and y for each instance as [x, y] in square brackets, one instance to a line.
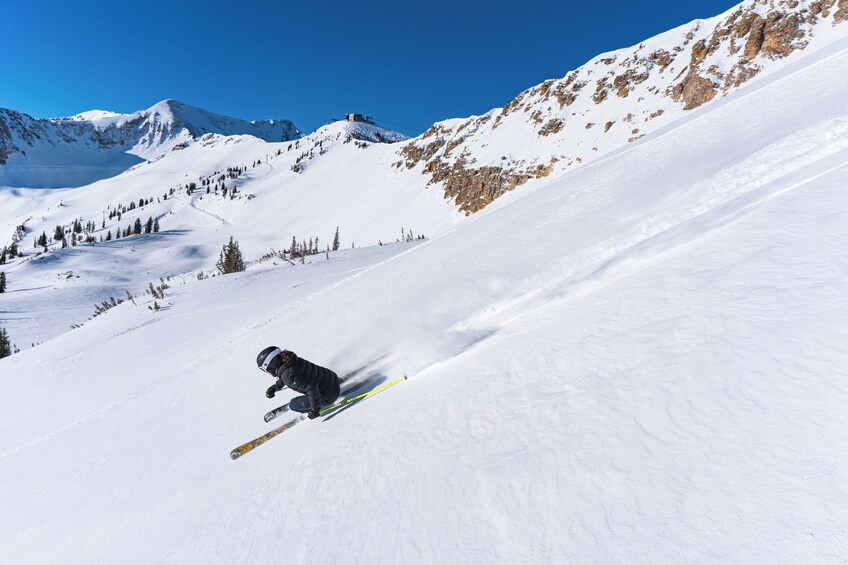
[158, 292]
[230, 260]
[408, 236]
[105, 305]
[215, 184]
[10, 253]
[79, 231]
[108, 305]
[303, 248]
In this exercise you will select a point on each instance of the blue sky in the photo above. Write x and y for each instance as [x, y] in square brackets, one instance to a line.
[408, 64]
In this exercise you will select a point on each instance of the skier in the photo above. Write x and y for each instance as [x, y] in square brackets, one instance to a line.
[319, 386]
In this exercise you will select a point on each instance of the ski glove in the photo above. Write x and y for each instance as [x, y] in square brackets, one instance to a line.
[272, 390]
[313, 414]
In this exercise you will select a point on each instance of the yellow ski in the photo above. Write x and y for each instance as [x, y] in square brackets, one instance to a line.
[249, 446]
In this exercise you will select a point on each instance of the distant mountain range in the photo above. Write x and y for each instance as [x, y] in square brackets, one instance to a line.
[612, 101]
[74, 151]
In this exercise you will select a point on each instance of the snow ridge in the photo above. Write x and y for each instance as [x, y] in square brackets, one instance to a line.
[69, 152]
[618, 98]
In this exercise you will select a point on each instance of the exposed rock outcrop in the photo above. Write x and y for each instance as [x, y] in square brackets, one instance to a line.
[6, 145]
[649, 84]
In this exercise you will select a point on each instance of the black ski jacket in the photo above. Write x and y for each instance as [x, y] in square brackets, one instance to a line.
[309, 379]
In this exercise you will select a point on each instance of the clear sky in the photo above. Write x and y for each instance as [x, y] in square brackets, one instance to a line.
[408, 64]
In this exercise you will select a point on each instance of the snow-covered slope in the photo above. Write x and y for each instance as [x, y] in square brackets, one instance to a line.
[364, 179]
[642, 360]
[337, 177]
[67, 152]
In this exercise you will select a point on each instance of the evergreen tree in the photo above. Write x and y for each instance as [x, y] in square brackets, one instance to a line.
[230, 260]
[148, 226]
[58, 234]
[5, 345]
[293, 248]
[336, 240]
[137, 227]
[109, 235]
[2, 281]
[156, 225]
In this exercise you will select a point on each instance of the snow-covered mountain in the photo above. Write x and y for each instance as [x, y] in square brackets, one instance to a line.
[617, 98]
[638, 358]
[68, 152]
[349, 174]
[262, 193]
[643, 360]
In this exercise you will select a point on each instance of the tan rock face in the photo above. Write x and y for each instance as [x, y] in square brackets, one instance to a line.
[841, 13]
[551, 127]
[822, 8]
[694, 91]
[472, 188]
[475, 188]
[775, 35]
[780, 34]
[755, 30]
[565, 92]
[701, 64]
[601, 91]
[626, 82]
[661, 58]
[699, 53]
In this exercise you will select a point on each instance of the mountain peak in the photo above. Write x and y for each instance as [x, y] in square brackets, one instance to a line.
[361, 131]
[91, 116]
[98, 144]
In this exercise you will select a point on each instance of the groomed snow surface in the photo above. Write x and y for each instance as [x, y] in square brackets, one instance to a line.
[642, 361]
